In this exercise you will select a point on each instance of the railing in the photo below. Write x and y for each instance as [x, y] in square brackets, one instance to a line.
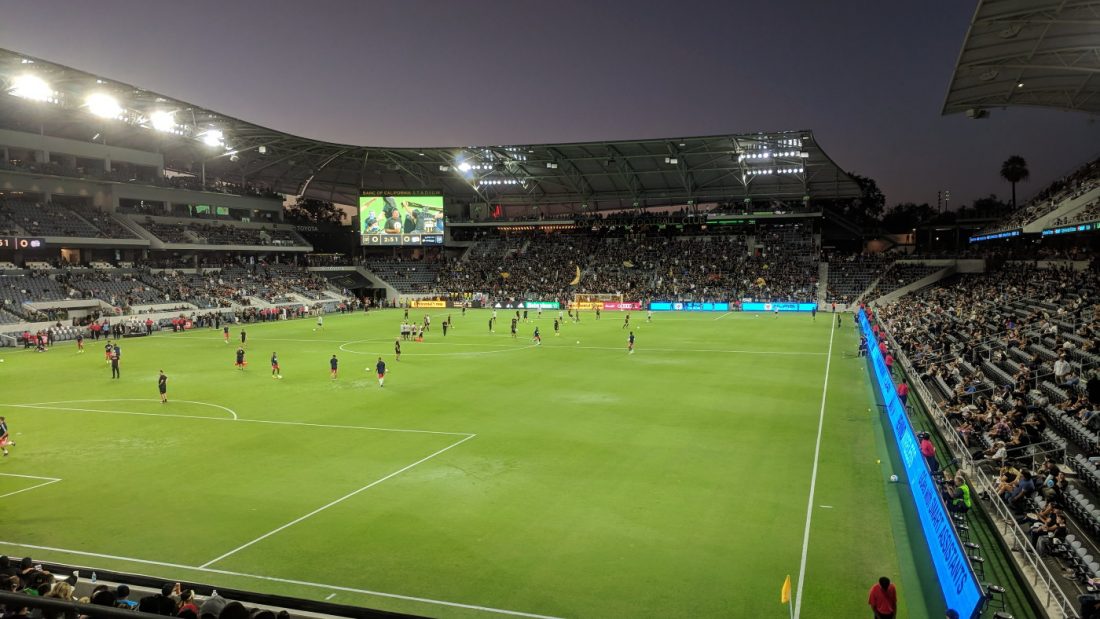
[1040, 578]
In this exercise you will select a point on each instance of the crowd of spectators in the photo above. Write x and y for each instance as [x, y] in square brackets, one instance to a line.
[1012, 358]
[173, 600]
[1081, 181]
[639, 264]
[850, 275]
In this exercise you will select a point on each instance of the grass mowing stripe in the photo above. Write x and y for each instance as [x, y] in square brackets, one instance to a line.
[336, 502]
[813, 476]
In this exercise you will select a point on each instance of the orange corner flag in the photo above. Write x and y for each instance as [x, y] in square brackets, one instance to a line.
[785, 592]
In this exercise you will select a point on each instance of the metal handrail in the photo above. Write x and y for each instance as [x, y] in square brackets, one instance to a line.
[1044, 580]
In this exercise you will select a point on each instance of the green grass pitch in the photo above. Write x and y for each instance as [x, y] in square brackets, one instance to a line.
[488, 475]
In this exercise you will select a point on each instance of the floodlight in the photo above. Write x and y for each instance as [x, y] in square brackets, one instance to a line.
[163, 120]
[464, 167]
[212, 137]
[103, 105]
[31, 87]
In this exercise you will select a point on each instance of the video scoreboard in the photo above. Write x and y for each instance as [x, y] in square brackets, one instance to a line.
[21, 242]
[397, 218]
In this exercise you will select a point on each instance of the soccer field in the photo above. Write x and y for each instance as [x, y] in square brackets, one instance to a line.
[488, 476]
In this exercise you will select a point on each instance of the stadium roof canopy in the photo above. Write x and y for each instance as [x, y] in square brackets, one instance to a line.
[787, 165]
[1042, 53]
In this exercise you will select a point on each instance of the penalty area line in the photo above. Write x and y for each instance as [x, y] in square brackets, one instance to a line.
[49, 480]
[288, 581]
[332, 503]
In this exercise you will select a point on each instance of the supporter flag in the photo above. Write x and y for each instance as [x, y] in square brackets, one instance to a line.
[577, 278]
[760, 282]
[505, 275]
[628, 264]
[785, 591]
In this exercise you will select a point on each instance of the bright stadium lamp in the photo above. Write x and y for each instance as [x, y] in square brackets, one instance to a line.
[213, 137]
[103, 105]
[464, 167]
[163, 120]
[31, 87]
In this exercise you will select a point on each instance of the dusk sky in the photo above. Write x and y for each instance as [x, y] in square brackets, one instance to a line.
[869, 78]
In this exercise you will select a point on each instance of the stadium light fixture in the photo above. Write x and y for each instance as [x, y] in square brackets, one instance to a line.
[213, 137]
[464, 167]
[163, 121]
[32, 88]
[103, 105]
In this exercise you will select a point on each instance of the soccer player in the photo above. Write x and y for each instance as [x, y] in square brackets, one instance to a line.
[597, 312]
[540, 314]
[525, 315]
[570, 312]
[491, 320]
[494, 315]
[513, 328]
[813, 313]
[225, 333]
[240, 358]
[557, 326]
[162, 386]
[446, 324]
[427, 323]
[380, 367]
[397, 349]
[630, 344]
[5, 439]
[463, 310]
[626, 323]
[244, 338]
[334, 364]
[406, 314]
[320, 322]
[115, 355]
[537, 338]
[275, 371]
[649, 316]
[107, 351]
[79, 342]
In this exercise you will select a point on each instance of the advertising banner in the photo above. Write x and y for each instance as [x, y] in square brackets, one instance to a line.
[956, 578]
[428, 303]
[628, 306]
[679, 306]
[782, 307]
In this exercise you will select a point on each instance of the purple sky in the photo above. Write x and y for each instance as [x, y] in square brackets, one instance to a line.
[868, 78]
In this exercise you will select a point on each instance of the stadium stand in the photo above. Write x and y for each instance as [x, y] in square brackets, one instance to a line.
[1053, 197]
[1011, 356]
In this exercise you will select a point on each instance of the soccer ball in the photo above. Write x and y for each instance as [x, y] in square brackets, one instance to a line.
[578, 341]
[894, 478]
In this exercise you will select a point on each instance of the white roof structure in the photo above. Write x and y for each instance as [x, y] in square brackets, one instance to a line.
[1043, 53]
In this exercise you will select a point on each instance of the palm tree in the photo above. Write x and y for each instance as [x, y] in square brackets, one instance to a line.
[1014, 170]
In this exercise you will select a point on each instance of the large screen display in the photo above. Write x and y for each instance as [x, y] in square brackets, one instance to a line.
[401, 220]
[957, 580]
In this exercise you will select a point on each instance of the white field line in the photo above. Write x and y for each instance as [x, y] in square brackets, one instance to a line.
[813, 477]
[332, 503]
[232, 412]
[49, 480]
[50, 406]
[723, 316]
[30, 476]
[288, 581]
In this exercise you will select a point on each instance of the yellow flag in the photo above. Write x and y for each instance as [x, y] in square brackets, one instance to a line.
[785, 592]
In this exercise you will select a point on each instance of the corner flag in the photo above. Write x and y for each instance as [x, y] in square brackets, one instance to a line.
[785, 592]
